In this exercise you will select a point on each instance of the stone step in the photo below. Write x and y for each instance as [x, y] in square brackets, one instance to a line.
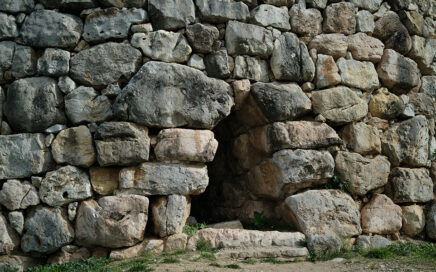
[262, 252]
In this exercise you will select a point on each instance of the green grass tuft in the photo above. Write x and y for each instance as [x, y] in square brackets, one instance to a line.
[170, 260]
[249, 261]
[190, 230]
[89, 265]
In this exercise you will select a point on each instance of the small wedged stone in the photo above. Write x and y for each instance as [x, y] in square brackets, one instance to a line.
[49, 28]
[362, 138]
[221, 11]
[189, 99]
[169, 214]
[112, 221]
[74, 146]
[289, 171]
[327, 72]
[8, 27]
[334, 45]
[123, 3]
[24, 63]
[154, 178]
[16, 219]
[163, 45]
[363, 174]
[358, 74]
[185, 145]
[413, 220]
[65, 185]
[386, 105]
[381, 216]
[111, 23]
[9, 239]
[306, 22]
[291, 60]
[46, 230]
[268, 15]
[340, 18]
[203, 38]
[171, 14]
[92, 67]
[54, 62]
[313, 212]
[217, 64]
[409, 185]
[393, 33]
[364, 47]
[251, 68]
[365, 21]
[121, 143]
[16, 195]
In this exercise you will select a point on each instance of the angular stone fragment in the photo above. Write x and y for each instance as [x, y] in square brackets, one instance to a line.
[185, 145]
[327, 243]
[363, 174]
[104, 180]
[269, 102]
[340, 18]
[423, 104]
[221, 11]
[74, 146]
[327, 72]
[306, 22]
[398, 73]
[8, 27]
[381, 216]
[164, 179]
[16, 219]
[189, 99]
[361, 75]
[247, 39]
[7, 49]
[289, 171]
[46, 230]
[431, 222]
[84, 104]
[241, 90]
[371, 5]
[16, 6]
[365, 21]
[413, 220]
[371, 242]
[49, 28]
[267, 15]
[163, 45]
[393, 33]
[411, 185]
[203, 38]
[217, 64]
[413, 21]
[364, 47]
[123, 3]
[24, 62]
[385, 104]
[9, 239]
[113, 221]
[406, 143]
[428, 85]
[121, 143]
[111, 23]
[175, 242]
[25, 155]
[315, 212]
[362, 138]
[423, 53]
[339, 105]
[172, 14]
[66, 84]
[291, 60]
[251, 68]
[94, 67]
[169, 214]
[65, 185]
[149, 245]
[54, 62]
[334, 45]
[17, 195]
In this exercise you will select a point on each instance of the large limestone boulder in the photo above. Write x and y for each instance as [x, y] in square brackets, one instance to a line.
[397, 72]
[9, 239]
[25, 155]
[16, 195]
[111, 23]
[268, 15]
[49, 28]
[172, 14]
[386, 105]
[248, 39]
[94, 67]
[323, 212]
[203, 38]
[339, 105]
[169, 214]
[363, 174]
[74, 146]
[362, 138]
[413, 220]
[270, 102]
[104, 180]
[358, 74]
[291, 60]
[173, 95]
[381, 216]
[411, 185]
[221, 11]
[305, 22]
[164, 179]
[340, 18]
[24, 114]
[121, 143]
[113, 221]
[393, 33]
[46, 230]
[65, 185]
[185, 145]
[16, 6]
[407, 142]
[289, 171]
[163, 45]
[431, 222]
[364, 47]
[334, 45]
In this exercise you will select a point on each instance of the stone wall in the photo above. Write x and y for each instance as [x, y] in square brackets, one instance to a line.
[107, 109]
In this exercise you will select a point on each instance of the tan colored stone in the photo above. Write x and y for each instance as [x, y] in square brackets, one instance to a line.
[175, 242]
[169, 214]
[68, 254]
[411, 185]
[413, 220]
[305, 22]
[185, 145]
[385, 104]
[241, 90]
[340, 18]
[104, 180]
[364, 47]
[334, 45]
[381, 216]
[358, 74]
[17, 194]
[149, 245]
[327, 72]
[362, 138]
[378, 123]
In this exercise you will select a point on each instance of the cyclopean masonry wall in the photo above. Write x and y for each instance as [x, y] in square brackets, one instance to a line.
[107, 110]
